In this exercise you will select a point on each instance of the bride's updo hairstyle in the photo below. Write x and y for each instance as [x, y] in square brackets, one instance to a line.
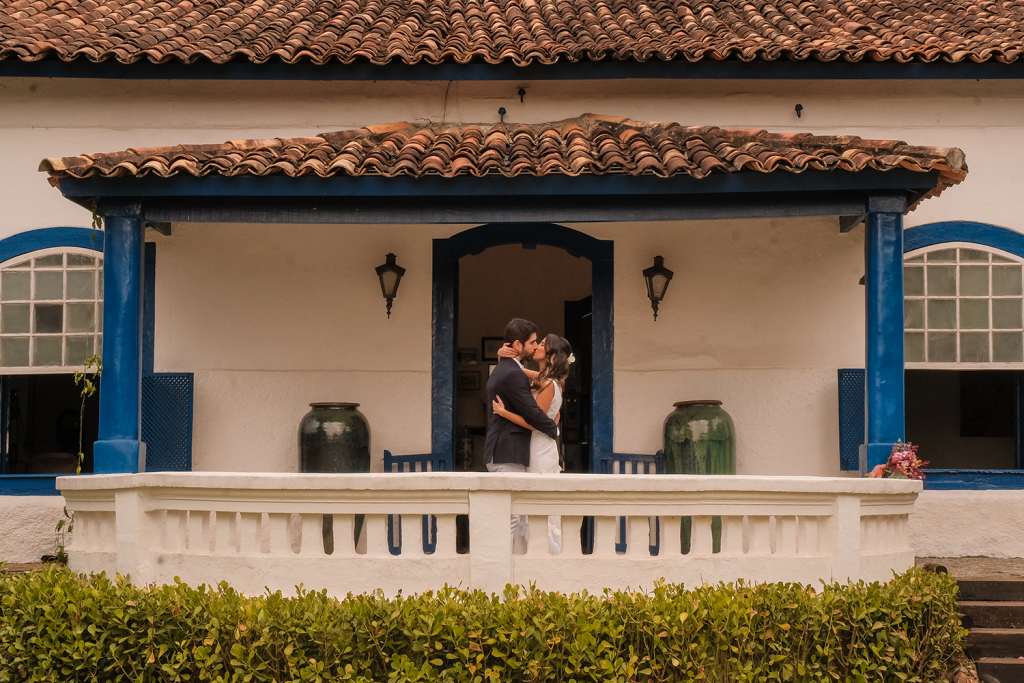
[557, 364]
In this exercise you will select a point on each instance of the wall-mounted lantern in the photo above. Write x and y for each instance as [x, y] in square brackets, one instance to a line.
[390, 275]
[657, 277]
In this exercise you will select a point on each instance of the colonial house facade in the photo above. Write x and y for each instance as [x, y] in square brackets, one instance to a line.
[840, 280]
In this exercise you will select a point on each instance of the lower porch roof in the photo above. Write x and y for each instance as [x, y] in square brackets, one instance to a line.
[591, 168]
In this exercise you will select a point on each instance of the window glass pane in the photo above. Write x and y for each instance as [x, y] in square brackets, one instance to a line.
[973, 314]
[49, 318]
[23, 264]
[82, 284]
[943, 256]
[1001, 259]
[916, 259]
[99, 345]
[81, 318]
[47, 351]
[913, 314]
[1006, 280]
[14, 352]
[14, 286]
[77, 350]
[49, 285]
[99, 287]
[1006, 314]
[973, 280]
[52, 261]
[1007, 347]
[942, 347]
[974, 347]
[913, 347]
[80, 260]
[973, 255]
[99, 316]
[941, 314]
[913, 281]
[941, 280]
[14, 318]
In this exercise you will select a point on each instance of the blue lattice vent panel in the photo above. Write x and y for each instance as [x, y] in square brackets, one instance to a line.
[851, 417]
[167, 421]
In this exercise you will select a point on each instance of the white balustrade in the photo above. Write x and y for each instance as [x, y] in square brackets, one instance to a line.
[259, 531]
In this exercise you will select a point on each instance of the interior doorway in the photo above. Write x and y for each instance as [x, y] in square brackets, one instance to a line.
[546, 285]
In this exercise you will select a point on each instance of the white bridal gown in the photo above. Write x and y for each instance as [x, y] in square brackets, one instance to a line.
[544, 460]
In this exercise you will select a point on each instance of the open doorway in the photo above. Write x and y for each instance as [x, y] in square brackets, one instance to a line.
[546, 285]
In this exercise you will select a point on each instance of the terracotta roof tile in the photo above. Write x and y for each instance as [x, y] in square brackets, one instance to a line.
[517, 31]
[589, 144]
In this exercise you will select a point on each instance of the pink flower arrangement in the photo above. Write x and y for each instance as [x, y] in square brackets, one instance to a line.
[903, 464]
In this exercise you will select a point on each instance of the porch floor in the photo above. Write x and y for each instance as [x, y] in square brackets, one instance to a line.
[964, 567]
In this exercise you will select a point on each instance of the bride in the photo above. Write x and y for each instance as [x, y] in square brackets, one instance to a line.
[554, 356]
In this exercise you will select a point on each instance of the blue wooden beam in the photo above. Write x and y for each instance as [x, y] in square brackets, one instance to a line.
[883, 255]
[120, 447]
[988, 480]
[520, 186]
[655, 69]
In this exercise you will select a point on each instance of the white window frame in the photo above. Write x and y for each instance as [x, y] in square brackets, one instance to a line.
[989, 365]
[51, 369]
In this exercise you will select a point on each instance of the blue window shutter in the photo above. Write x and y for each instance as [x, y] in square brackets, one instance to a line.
[851, 417]
[167, 421]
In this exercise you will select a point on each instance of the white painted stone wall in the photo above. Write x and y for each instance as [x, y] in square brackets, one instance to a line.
[28, 527]
[760, 314]
[968, 524]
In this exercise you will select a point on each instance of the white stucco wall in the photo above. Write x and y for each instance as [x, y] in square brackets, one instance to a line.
[760, 313]
[968, 524]
[28, 527]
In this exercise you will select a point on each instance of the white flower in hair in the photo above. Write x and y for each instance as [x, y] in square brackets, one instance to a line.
[572, 358]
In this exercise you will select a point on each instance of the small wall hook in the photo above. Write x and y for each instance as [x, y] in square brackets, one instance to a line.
[501, 113]
[799, 108]
[522, 93]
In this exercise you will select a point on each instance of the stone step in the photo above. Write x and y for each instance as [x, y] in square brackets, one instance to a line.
[992, 614]
[991, 589]
[995, 642]
[1002, 669]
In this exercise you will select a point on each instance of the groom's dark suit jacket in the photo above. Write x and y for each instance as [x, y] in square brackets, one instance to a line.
[507, 441]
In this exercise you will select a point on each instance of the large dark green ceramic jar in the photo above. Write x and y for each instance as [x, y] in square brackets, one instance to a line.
[334, 437]
[699, 439]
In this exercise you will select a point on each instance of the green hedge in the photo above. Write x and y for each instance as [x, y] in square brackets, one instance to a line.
[57, 626]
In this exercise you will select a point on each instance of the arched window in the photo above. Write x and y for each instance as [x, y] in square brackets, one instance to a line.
[51, 310]
[963, 308]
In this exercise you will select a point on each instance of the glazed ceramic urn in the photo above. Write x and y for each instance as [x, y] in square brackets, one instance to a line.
[334, 437]
[699, 439]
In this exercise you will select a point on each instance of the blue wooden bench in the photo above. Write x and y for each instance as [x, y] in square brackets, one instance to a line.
[428, 462]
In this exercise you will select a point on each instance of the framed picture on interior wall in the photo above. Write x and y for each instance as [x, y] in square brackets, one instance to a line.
[490, 368]
[467, 380]
[490, 346]
[467, 357]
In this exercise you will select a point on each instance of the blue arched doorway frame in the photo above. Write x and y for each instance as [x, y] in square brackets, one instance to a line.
[447, 253]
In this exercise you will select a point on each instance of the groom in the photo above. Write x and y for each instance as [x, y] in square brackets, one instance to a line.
[507, 447]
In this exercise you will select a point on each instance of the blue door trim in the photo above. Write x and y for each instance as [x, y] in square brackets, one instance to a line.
[447, 253]
[987, 235]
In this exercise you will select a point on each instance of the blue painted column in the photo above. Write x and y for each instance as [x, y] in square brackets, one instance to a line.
[120, 447]
[883, 257]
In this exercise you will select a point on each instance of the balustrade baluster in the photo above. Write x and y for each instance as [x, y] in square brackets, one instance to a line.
[344, 536]
[412, 535]
[807, 535]
[376, 531]
[572, 546]
[785, 535]
[638, 536]
[538, 545]
[899, 532]
[445, 536]
[605, 529]
[224, 526]
[312, 543]
[280, 541]
[759, 540]
[732, 535]
[869, 534]
[249, 532]
[670, 539]
[702, 541]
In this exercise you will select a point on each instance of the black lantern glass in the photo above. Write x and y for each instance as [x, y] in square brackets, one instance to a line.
[390, 275]
[658, 277]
